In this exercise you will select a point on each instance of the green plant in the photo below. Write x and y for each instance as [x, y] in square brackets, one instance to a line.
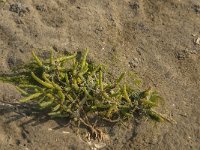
[69, 86]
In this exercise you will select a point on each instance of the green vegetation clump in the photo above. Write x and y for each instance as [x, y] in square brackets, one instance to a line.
[70, 86]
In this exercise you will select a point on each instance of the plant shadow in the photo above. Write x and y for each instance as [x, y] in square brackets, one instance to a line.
[19, 112]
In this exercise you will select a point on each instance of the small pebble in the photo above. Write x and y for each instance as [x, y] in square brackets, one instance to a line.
[196, 8]
[19, 8]
[198, 41]
[182, 55]
[134, 63]
[40, 7]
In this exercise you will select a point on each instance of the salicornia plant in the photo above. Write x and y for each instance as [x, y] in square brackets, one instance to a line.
[70, 86]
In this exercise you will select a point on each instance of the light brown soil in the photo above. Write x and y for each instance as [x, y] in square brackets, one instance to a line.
[155, 38]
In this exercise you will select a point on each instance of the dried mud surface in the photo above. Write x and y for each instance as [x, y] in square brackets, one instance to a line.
[158, 39]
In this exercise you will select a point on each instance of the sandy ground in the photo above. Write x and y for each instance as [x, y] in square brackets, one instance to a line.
[158, 39]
